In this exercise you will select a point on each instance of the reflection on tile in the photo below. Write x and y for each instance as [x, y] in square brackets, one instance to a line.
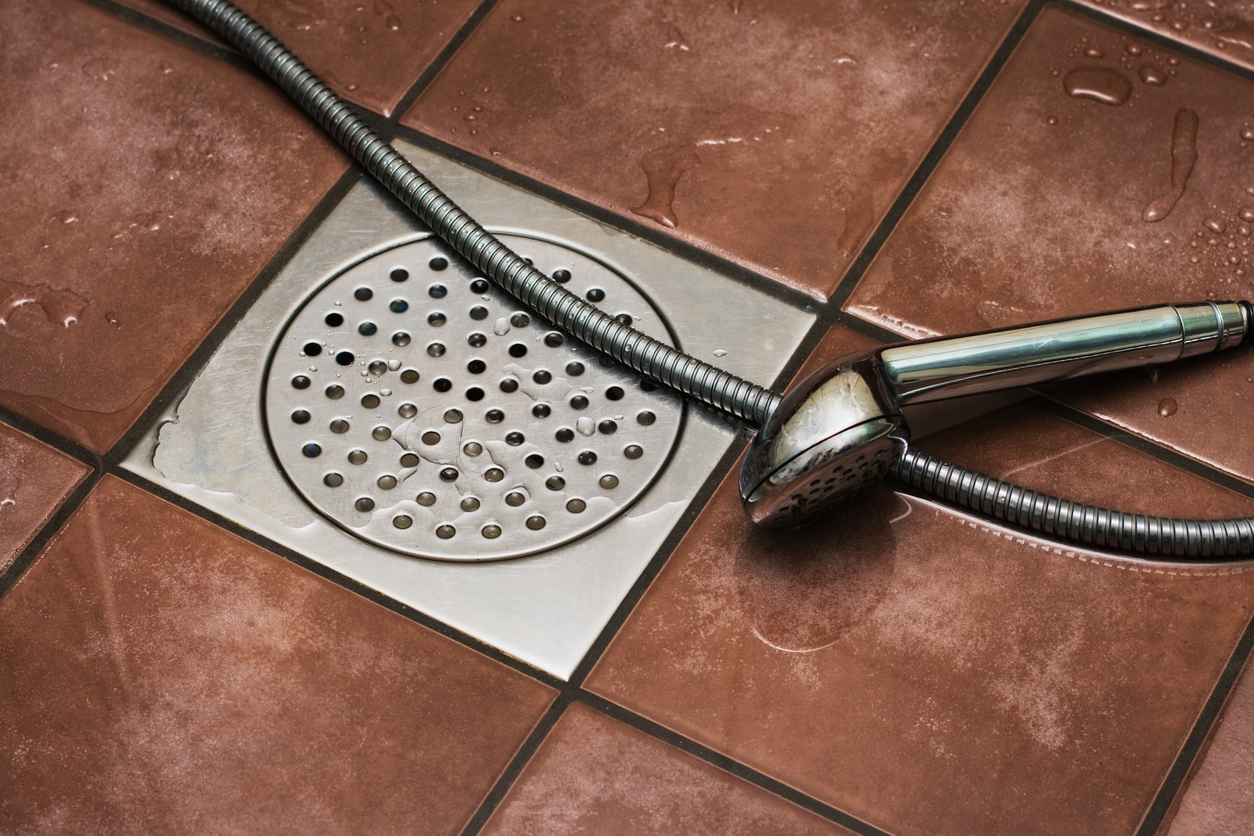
[929, 672]
[369, 52]
[1052, 204]
[595, 775]
[745, 128]
[1219, 800]
[1221, 27]
[165, 676]
[145, 189]
[34, 480]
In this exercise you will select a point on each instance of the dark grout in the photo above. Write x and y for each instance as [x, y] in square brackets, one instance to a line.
[11, 574]
[440, 61]
[54, 440]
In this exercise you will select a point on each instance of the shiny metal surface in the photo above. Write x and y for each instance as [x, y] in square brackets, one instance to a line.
[545, 609]
[842, 426]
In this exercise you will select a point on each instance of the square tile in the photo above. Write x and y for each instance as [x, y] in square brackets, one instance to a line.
[930, 672]
[1052, 204]
[369, 52]
[34, 480]
[165, 676]
[595, 775]
[773, 134]
[146, 189]
[1224, 28]
[547, 608]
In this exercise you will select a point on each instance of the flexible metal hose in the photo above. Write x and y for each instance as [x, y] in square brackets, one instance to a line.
[585, 322]
[1195, 539]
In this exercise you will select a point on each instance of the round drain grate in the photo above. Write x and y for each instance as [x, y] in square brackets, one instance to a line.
[419, 407]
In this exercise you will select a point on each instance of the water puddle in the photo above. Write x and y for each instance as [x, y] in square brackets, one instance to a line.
[1098, 84]
[59, 307]
[1183, 158]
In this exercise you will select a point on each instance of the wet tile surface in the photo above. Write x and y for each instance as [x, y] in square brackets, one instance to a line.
[146, 189]
[930, 673]
[740, 127]
[1224, 28]
[595, 775]
[1051, 204]
[34, 480]
[164, 676]
[371, 52]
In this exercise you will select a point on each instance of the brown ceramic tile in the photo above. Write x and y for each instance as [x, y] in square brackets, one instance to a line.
[163, 676]
[371, 51]
[34, 480]
[595, 775]
[1218, 800]
[145, 187]
[743, 127]
[931, 673]
[1038, 211]
[1221, 27]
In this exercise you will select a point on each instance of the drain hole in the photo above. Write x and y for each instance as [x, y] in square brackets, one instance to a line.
[624, 319]
[607, 427]
[553, 339]
[389, 482]
[400, 274]
[614, 393]
[479, 286]
[587, 457]
[345, 358]
[495, 416]
[477, 340]
[333, 480]
[431, 437]
[509, 384]
[514, 439]
[579, 402]
[409, 375]
[448, 474]
[574, 369]
[437, 319]
[476, 367]
[363, 294]
[437, 291]
[364, 504]
[565, 434]
[367, 329]
[472, 448]
[445, 532]
[436, 349]
[541, 410]
[400, 338]
[426, 499]
[452, 416]
[555, 483]
[596, 294]
[576, 506]
[335, 391]
[442, 384]
[398, 306]
[535, 522]
[633, 451]
[370, 401]
[381, 433]
[494, 474]
[520, 320]
[513, 499]
[311, 451]
[402, 521]
[300, 382]
[409, 460]
[518, 350]
[535, 461]
[407, 410]
[478, 312]
[645, 418]
[561, 276]
[300, 416]
[313, 349]
[339, 426]
[357, 457]
[491, 531]
[438, 263]
[334, 319]
[377, 367]
[609, 481]
[470, 504]
[474, 393]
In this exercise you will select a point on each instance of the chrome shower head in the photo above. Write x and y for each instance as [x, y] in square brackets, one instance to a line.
[842, 426]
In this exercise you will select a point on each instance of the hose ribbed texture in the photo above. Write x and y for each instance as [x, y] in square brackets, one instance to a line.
[652, 358]
[1060, 518]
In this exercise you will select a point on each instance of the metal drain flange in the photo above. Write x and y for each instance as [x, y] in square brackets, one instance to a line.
[420, 408]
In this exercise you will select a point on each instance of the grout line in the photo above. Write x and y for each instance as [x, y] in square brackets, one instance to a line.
[53, 439]
[727, 764]
[516, 765]
[191, 367]
[11, 574]
[327, 573]
[441, 60]
[1174, 781]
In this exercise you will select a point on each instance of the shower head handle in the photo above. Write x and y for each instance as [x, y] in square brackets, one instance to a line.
[842, 426]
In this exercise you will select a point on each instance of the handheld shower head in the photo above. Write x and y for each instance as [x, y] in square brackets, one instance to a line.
[842, 427]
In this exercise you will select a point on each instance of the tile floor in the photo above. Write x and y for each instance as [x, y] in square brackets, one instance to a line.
[898, 668]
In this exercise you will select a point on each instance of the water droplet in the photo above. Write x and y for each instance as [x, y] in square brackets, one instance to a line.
[1247, 134]
[1094, 52]
[501, 327]
[518, 18]
[1098, 84]
[1152, 75]
[1215, 225]
[1167, 407]
[718, 352]
[100, 69]
[585, 426]
[1134, 49]
[59, 307]
[1053, 120]
[1183, 157]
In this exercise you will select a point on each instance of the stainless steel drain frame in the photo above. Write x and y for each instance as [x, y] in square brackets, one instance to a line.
[546, 608]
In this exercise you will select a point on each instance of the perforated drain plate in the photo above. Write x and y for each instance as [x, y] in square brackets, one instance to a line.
[420, 408]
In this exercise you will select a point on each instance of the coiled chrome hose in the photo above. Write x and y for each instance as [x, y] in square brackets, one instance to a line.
[1085, 524]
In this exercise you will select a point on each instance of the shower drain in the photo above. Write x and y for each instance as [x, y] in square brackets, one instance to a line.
[419, 407]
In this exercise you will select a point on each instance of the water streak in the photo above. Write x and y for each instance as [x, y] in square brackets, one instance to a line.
[1183, 157]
